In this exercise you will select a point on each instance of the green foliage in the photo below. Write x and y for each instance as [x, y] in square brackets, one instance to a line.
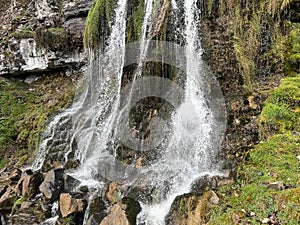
[69, 220]
[98, 22]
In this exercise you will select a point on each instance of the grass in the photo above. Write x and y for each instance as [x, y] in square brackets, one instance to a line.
[271, 161]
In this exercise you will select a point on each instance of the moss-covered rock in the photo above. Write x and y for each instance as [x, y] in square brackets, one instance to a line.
[98, 23]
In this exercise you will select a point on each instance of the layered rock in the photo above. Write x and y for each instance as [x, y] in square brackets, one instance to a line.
[48, 42]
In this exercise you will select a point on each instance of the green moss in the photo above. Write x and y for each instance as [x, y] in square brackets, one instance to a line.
[54, 39]
[293, 51]
[135, 20]
[24, 111]
[3, 163]
[21, 34]
[98, 22]
[281, 112]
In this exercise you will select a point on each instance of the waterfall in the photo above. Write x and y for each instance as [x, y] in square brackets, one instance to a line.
[193, 139]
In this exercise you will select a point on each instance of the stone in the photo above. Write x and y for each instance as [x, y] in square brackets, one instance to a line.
[265, 221]
[3, 189]
[237, 216]
[132, 210]
[26, 204]
[69, 204]
[252, 103]
[117, 216]
[70, 183]
[214, 199]
[277, 186]
[30, 184]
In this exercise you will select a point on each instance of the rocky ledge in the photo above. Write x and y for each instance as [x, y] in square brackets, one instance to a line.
[50, 40]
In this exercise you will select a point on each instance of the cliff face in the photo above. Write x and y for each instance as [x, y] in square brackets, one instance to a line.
[39, 36]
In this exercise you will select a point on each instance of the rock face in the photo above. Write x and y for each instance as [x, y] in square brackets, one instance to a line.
[52, 40]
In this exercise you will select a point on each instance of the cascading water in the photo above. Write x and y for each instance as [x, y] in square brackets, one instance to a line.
[192, 143]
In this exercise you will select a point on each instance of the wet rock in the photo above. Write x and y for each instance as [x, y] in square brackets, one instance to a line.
[7, 199]
[69, 204]
[2, 220]
[30, 184]
[77, 9]
[132, 210]
[97, 210]
[84, 189]
[69, 183]
[72, 164]
[117, 215]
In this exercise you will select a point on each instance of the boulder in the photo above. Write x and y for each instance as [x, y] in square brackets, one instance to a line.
[117, 215]
[191, 209]
[69, 204]
[132, 210]
[30, 184]
[53, 184]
